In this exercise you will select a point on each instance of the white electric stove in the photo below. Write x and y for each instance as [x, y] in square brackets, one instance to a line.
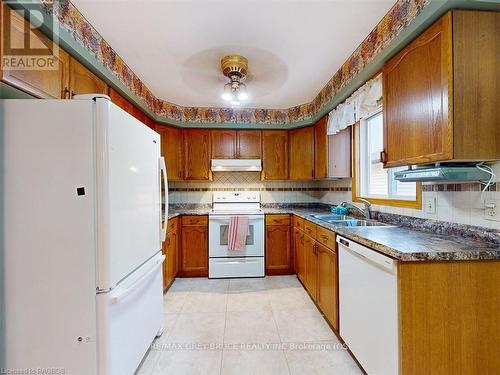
[222, 262]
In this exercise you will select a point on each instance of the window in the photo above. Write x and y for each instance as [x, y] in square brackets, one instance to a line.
[373, 181]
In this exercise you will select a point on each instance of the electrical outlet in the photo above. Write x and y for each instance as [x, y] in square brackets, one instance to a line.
[492, 209]
[430, 204]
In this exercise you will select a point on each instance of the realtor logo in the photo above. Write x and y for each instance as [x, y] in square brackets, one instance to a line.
[24, 45]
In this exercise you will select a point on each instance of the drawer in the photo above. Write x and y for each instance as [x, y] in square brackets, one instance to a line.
[326, 237]
[309, 229]
[298, 222]
[194, 220]
[277, 219]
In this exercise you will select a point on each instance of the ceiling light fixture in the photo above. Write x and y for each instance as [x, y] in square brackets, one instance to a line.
[235, 68]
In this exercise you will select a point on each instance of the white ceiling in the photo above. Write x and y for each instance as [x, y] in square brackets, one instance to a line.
[293, 46]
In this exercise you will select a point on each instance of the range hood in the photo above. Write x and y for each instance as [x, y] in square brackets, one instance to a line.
[236, 165]
[450, 172]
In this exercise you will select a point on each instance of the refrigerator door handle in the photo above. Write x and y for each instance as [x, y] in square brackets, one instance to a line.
[120, 296]
[164, 200]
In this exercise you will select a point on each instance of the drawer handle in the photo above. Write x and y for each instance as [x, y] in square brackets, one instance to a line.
[324, 238]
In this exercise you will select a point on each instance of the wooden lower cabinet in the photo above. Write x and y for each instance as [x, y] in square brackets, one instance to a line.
[449, 317]
[171, 251]
[279, 259]
[311, 266]
[327, 289]
[316, 266]
[298, 256]
[194, 249]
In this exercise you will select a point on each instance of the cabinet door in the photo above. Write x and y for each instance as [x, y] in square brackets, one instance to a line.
[164, 251]
[311, 265]
[124, 104]
[248, 144]
[320, 149]
[417, 86]
[40, 83]
[275, 154]
[223, 144]
[197, 154]
[278, 254]
[339, 154]
[194, 258]
[327, 296]
[83, 81]
[170, 259]
[302, 154]
[299, 255]
[171, 150]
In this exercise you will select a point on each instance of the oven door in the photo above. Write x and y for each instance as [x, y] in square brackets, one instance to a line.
[218, 233]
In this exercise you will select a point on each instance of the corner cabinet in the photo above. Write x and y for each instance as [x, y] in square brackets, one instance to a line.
[197, 147]
[275, 155]
[440, 93]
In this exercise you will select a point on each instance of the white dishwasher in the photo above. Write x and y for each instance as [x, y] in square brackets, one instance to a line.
[368, 298]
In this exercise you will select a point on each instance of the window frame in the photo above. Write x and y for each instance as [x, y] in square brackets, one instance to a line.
[356, 172]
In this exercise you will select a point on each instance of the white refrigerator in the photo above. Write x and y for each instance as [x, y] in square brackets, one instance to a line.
[84, 194]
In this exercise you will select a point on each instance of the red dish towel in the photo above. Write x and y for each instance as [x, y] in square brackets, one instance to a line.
[238, 232]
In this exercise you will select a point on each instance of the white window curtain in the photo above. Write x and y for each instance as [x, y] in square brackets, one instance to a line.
[360, 104]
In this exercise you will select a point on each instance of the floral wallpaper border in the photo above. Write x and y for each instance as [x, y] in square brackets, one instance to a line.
[400, 15]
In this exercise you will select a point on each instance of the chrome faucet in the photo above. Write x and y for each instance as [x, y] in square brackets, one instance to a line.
[367, 213]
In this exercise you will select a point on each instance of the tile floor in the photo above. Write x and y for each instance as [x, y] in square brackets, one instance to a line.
[244, 326]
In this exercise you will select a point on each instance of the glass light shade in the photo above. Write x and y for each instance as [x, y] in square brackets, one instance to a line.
[242, 92]
[228, 92]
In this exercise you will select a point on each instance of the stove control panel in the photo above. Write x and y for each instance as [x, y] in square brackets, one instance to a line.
[236, 197]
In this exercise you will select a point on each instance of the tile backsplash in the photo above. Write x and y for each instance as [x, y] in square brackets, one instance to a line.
[459, 203]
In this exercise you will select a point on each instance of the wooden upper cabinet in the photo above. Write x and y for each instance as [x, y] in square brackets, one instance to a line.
[172, 150]
[476, 85]
[49, 84]
[248, 144]
[223, 144]
[236, 144]
[320, 149]
[83, 81]
[439, 93]
[275, 154]
[124, 104]
[339, 154]
[302, 154]
[197, 146]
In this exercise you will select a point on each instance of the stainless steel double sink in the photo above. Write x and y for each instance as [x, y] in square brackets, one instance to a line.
[348, 221]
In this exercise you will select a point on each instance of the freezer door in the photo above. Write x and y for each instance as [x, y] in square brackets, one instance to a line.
[128, 319]
[128, 193]
[49, 227]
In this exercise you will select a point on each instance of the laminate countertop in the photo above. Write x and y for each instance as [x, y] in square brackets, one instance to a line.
[398, 242]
